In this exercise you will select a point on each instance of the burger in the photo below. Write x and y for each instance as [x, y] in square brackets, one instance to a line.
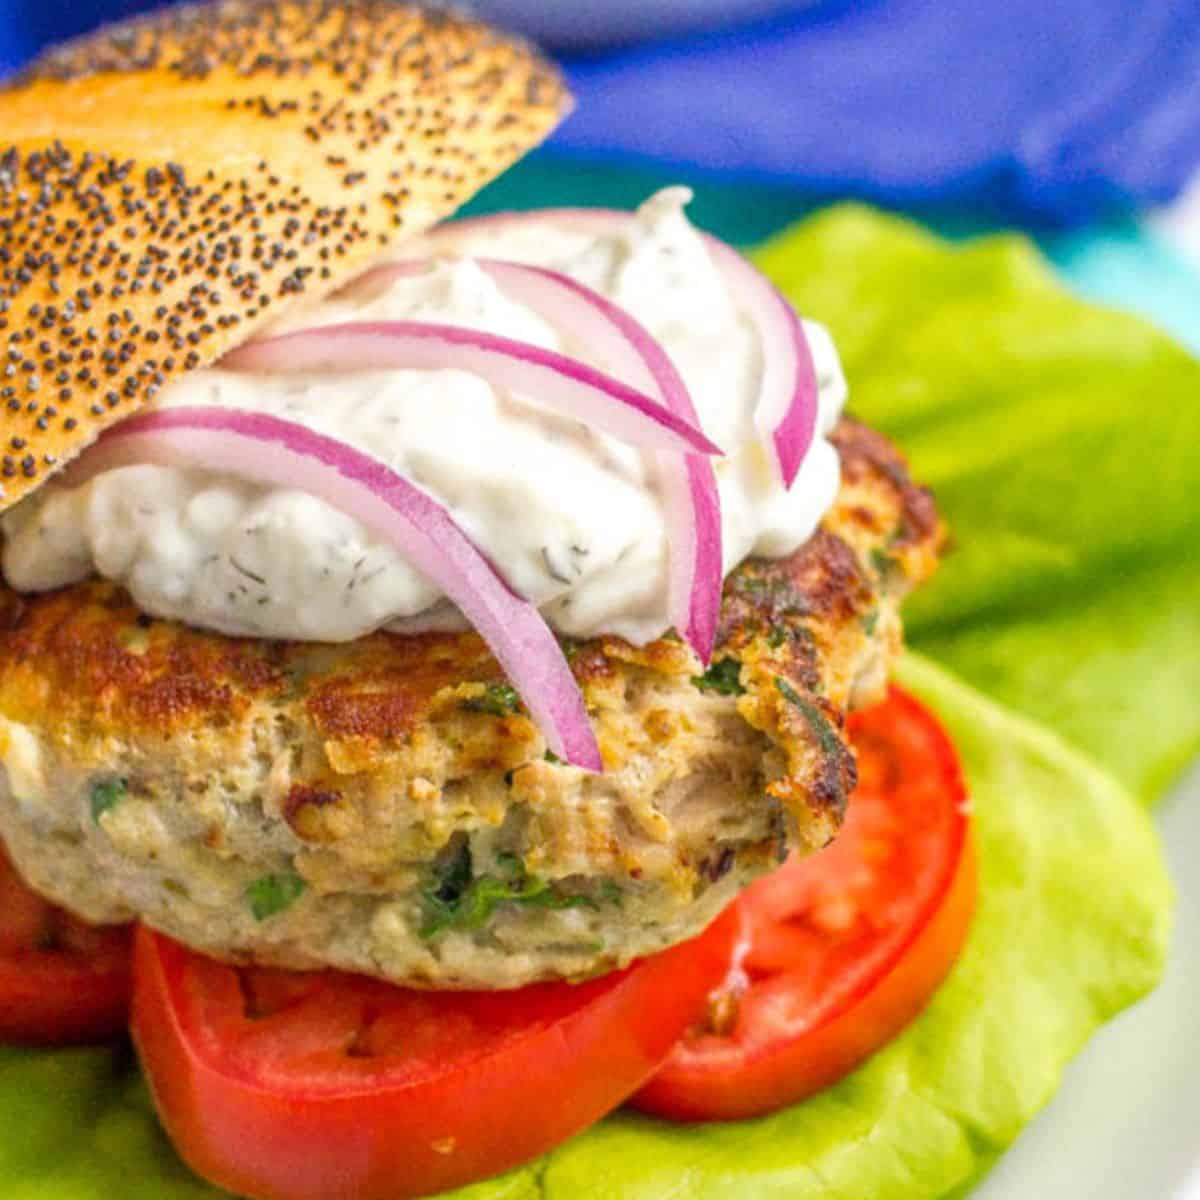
[423, 630]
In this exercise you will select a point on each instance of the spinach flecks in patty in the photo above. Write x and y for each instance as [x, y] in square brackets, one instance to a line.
[818, 722]
[106, 795]
[498, 700]
[724, 677]
[272, 894]
[458, 899]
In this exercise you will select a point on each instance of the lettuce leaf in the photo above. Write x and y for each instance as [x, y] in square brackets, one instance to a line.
[1072, 927]
[1063, 442]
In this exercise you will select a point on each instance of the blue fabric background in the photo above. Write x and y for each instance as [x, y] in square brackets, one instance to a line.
[1039, 109]
[27, 25]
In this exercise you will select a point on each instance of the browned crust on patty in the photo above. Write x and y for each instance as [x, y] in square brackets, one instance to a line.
[816, 632]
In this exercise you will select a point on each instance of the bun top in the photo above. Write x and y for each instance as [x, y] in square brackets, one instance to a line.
[171, 183]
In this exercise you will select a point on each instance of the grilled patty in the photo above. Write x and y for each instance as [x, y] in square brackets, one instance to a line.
[388, 807]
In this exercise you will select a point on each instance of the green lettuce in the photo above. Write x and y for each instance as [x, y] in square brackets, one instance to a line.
[1063, 442]
[1072, 927]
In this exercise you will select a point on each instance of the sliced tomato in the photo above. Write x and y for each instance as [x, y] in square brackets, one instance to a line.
[61, 981]
[847, 946]
[286, 1086]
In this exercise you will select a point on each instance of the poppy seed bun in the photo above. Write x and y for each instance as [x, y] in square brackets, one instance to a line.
[171, 183]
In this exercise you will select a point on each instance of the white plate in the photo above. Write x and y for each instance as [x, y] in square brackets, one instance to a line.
[1126, 1124]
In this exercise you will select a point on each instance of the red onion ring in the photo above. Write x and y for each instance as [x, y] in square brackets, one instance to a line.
[786, 414]
[268, 449]
[628, 350]
[570, 388]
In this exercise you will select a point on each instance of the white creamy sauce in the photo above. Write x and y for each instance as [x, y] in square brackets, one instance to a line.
[571, 518]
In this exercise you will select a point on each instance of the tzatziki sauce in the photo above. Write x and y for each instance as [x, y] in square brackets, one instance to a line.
[570, 517]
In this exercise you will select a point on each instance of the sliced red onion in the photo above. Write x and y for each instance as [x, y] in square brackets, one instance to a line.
[626, 348]
[268, 449]
[570, 388]
[786, 414]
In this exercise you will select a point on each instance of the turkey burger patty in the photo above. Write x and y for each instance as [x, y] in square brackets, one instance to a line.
[386, 806]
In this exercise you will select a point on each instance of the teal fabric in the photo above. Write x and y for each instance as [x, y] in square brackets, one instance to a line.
[1129, 266]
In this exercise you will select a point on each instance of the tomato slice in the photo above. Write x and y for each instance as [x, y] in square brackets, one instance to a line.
[62, 982]
[287, 1086]
[846, 947]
